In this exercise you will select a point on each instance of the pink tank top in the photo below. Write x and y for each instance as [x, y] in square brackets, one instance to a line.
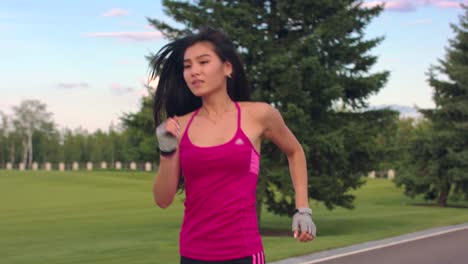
[220, 221]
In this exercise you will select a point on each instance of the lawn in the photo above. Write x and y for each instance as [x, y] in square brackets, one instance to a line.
[109, 217]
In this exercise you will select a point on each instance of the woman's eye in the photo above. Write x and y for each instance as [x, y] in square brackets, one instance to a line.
[203, 62]
[186, 66]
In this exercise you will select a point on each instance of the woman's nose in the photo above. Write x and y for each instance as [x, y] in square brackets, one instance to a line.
[194, 70]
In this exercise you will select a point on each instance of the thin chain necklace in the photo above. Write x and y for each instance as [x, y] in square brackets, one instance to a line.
[213, 120]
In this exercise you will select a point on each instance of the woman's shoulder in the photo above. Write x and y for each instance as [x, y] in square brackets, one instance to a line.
[184, 119]
[259, 110]
[251, 105]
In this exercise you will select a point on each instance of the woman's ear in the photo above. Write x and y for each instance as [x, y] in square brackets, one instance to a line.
[227, 69]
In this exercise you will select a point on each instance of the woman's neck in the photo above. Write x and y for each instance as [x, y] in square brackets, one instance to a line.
[216, 105]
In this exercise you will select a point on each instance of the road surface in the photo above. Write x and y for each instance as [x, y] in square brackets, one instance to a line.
[445, 245]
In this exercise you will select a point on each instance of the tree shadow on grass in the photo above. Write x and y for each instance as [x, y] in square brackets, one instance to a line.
[275, 232]
[435, 205]
[321, 230]
[330, 227]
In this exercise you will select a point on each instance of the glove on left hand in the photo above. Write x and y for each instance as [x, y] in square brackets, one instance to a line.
[302, 221]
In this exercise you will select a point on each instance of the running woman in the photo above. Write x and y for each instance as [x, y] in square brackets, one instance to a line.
[209, 136]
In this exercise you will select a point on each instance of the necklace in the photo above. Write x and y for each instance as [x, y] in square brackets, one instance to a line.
[215, 119]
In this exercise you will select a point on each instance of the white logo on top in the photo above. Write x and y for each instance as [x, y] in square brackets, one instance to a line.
[239, 141]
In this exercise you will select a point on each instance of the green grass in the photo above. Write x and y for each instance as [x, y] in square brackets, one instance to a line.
[109, 217]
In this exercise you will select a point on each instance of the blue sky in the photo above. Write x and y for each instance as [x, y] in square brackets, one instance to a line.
[86, 59]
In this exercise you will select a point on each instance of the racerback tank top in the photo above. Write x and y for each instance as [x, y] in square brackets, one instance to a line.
[220, 221]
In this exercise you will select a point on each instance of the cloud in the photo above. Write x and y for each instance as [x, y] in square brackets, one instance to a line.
[152, 83]
[448, 4]
[133, 36]
[150, 27]
[69, 86]
[5, 108]
[116, 12]
[144, 93]
[392, 5]
[118, 89]
[411, 5]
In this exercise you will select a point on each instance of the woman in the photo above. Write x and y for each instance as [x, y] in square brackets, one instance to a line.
[211, 142]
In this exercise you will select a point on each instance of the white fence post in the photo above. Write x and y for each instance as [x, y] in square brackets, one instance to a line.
[75, 166]
[48, 166]
[148, 166]
[61, 166]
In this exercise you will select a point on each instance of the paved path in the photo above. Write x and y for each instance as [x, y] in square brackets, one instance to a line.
[446, 245]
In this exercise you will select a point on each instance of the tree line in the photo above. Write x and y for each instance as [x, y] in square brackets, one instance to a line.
[30, 135]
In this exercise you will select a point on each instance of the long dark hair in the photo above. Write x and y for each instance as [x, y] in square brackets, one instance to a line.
[172, 96]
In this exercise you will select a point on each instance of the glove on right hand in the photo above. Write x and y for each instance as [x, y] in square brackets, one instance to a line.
[167, 141]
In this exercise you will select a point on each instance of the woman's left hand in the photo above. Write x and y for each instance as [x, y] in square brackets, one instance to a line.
[303, 226]
[303, 236]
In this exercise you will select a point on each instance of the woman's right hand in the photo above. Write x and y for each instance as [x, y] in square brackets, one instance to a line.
[168, 133]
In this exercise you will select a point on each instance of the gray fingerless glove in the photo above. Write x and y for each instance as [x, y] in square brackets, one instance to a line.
[167, 141]
[302, 221]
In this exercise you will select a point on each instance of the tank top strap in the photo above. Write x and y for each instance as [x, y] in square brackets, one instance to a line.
[189, 123]
[238, 115]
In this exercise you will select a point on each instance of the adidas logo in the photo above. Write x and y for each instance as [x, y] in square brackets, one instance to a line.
[239, 141]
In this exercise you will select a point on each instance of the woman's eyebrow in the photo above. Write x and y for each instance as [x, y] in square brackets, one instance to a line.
[198, 57]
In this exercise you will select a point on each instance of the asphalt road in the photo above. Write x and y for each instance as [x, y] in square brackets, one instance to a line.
[449, 248]
[441, 245]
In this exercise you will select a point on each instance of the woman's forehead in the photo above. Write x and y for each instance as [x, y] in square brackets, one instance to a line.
[199, 49]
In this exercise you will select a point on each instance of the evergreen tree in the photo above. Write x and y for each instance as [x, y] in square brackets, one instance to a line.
[73, 146]
[439, 160]
[139, 132]
[309, 59]
[3, 139]
[46, 142]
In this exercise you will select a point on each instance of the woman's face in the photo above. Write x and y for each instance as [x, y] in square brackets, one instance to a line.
[204, 72]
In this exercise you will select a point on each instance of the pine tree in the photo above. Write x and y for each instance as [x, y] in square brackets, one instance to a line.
[439, 154]
[310, 60]
[139, 132]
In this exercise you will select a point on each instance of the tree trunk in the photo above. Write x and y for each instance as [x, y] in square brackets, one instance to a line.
[112, 165]
[12, 154]
[260, 194]
[30, 150]
[443, 195]
[25, 151]
[2, 157]
[259, 212]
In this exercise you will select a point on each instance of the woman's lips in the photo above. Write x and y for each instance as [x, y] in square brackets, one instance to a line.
[197, 83]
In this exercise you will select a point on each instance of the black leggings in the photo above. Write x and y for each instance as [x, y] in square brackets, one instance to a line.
[258, 258]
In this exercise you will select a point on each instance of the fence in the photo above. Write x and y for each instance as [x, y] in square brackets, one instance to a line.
[146, 166]
[389, 174]
[89, 166]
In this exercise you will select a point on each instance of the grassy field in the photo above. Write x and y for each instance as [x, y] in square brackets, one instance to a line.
[109, 217]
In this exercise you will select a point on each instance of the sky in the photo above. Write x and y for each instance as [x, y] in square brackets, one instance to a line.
[86, 60]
